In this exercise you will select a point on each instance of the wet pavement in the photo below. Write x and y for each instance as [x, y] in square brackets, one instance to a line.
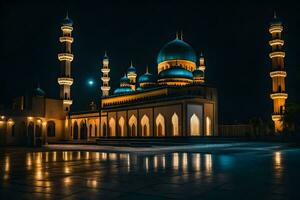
[250, 171]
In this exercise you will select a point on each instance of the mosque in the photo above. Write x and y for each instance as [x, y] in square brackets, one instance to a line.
[175, 102]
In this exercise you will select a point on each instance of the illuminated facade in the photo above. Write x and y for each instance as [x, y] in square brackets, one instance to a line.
[277, 73]
[175, 102]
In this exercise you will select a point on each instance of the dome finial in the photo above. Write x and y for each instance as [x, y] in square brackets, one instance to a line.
[67, 15]
[147, 69]
[275, 15]
[105, 53]
[177, 35]
[201, 54]
[131, 63]
[181, 35]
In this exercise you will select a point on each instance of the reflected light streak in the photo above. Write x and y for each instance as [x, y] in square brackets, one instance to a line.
[164, 161]
[208, 163]
[184, 162]
[197, 161]
[175, 161]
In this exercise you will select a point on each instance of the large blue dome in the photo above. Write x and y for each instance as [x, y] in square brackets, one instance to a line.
[177, 50]
[175, 72]
[124, 80]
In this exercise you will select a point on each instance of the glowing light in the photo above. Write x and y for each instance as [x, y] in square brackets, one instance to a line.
[2, 117]
[91, 82]
[30, 118]
[39, 121]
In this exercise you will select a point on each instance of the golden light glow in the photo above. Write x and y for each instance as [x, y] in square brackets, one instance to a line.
[277, 54]
[10, 122]
[184, 162]
[67, 102]
[67, 29]
[278, 74]
[39, 121]
[208, 163]
[65, 81]
[29, 118]
[275, 29]
[66, 39]
[2, 117]
[277, 117]
[105, 70]
[276, 42]
[175, 161]
[65, 57]
[279, 96]
[105, 79]
[186, 64]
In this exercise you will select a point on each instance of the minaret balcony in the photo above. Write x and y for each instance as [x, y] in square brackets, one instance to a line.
[276, 42]
[105, 79]
[105, 88]
[67, 29]
[276, 117]
[276, 29]
[280, 95]
[65, 57]
[105, 70]
[65, 81]
[67, 102]
[278, 74]
[275, 54]
[66, 39]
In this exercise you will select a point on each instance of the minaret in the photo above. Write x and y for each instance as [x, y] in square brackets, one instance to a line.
[66, 57]
[105, 76]
[278, 73]
[131, 74]
[202, 66]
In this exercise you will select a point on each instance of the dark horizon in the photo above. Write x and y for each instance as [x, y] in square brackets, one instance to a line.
[233, 37]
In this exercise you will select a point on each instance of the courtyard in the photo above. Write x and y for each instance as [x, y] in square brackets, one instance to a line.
[246, 170]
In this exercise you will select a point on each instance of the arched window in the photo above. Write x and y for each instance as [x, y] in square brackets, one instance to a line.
[208, 130]
[112, 127]
[83, 131]
[145, 126]
[104, 131]
[38, 130]
[133, 125]
[175, 125]
[90, 130]
[160, 125]
[50, 129]
[195, 125]
[13, 130]
[122, 126]
[96, 131]
[75, 131]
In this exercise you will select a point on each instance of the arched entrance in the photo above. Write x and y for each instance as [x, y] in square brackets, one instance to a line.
[195, 125]
[145, 126]
[133, 126]
[75, 131]
[160, 125]
[175, 130]
[83, 131]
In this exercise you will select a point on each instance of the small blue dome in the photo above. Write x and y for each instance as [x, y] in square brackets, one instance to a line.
[123, 90]
[131, 69]
[139, 89]
[67, 21]
[198, 73]
[39, 92]
[177, 50]
[124, 79]
[146, 78]
[175, 72]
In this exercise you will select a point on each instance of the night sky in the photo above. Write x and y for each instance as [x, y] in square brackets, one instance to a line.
[233, 36]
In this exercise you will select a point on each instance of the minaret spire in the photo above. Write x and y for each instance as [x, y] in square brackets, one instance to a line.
[278, 73]
[105, 76]
[66, 57]
[177, 35]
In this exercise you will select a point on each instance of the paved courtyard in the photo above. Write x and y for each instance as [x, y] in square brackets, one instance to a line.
[243, 171]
